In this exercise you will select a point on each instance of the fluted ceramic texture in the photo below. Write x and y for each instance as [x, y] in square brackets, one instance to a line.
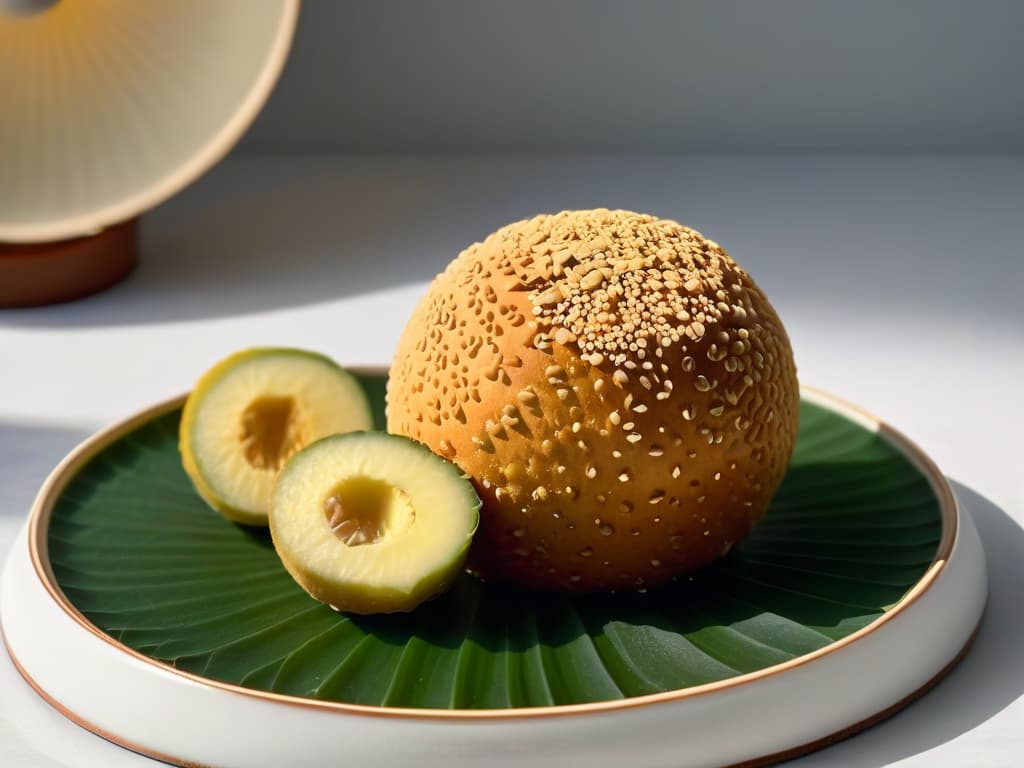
[854, 526]
[109, 106]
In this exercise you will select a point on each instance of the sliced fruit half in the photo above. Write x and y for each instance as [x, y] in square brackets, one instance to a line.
[253, 410]
[372, 523]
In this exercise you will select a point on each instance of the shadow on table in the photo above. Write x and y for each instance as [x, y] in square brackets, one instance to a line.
[28, 453]
[988, 679]
[278, 235]
[275, 232]
[234, 251]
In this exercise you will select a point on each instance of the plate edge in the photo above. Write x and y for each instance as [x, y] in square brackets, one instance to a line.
[55, 483]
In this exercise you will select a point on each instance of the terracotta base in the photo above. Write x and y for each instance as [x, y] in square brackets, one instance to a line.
[32, 274]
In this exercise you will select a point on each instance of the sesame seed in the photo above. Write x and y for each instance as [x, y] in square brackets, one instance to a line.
[555, 372]
[591, 280]
[551, 296]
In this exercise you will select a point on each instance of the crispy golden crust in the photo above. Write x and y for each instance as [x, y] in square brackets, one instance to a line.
[619, 389]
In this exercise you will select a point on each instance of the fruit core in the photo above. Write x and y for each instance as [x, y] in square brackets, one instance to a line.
[271, 431]
[364, 510]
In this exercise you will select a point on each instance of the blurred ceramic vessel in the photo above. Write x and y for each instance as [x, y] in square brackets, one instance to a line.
[108, 108]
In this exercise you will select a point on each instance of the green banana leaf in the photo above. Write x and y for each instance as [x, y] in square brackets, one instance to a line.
[853, 527]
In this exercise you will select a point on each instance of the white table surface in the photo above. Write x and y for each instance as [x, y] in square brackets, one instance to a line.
[898, 277]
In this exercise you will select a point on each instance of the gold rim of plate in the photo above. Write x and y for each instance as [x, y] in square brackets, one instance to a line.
[42, 510]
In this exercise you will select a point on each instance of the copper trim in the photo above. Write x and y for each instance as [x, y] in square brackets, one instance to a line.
[62, 474]
[862, 725]
[757, 762]
[83, 723]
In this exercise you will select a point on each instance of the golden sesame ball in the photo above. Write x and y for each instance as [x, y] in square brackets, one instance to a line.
[620, 391]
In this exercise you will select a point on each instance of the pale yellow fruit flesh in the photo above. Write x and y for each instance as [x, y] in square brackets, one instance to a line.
[251, 412]
[364, 510]
[372, 523]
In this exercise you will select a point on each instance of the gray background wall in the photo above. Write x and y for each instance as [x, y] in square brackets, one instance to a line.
[610, 75]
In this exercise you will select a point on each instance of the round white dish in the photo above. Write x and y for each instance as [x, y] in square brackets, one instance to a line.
[752, 719]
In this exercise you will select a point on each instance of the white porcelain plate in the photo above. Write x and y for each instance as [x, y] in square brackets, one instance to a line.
[152, 621]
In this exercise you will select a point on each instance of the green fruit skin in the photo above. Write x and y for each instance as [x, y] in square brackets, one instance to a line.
[190, 463]
[363, 599]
